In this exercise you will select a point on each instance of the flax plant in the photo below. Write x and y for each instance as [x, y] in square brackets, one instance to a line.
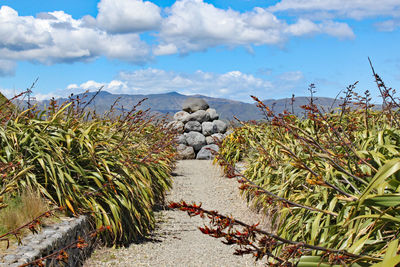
[113, 168]
[330, 179]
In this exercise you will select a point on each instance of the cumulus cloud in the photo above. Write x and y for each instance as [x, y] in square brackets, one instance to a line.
[40, 96]
[193, 25]
[56, 37]
[356, 9]
[333, 28]
[21, 33]
[303, 27]
[337, 29]
[165, 49]
[231, 85]
[128, 16]
[187, 25]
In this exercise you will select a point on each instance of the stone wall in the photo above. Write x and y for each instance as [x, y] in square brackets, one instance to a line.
[50, 239]
[199, 128]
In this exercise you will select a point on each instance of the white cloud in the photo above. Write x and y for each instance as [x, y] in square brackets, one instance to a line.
[188, 25]
[91, 85]
[165, 49]
[333, 28]
[57, 37]
[128, 16]
[193, 25]
[302, 27]
[21, 33]
[337, 29]
[40, 96]
[231, 85]
[356, 9]
[388, 25]
[72, 86]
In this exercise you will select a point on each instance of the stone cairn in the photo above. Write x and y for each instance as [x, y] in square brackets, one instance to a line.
[199, 129]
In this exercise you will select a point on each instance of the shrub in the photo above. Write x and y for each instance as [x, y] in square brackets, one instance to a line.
[330, 179]
[114, 169]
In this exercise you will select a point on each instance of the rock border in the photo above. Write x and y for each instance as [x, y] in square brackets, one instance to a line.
[51, 239]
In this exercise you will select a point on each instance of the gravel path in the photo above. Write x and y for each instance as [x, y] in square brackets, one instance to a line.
[176, 241]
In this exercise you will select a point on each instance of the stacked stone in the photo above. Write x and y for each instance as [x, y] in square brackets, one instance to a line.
[199, 127]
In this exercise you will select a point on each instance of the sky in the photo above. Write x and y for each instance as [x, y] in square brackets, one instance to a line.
[229, 49]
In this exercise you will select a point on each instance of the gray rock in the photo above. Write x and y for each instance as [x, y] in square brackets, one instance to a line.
[213, 139]
[176, 125]
[221, 126]
[30, 255]
[35, 241]
[10, 258]
[210, 140]
[185, 152]
[182, 116]
[193, 126]
[50, 239]
[180, 139]
[48, 232]
[194, 104]
[208, 128]
[205, 152]
[195, 140]
[199, 116]
[181, 147]
[213, 114]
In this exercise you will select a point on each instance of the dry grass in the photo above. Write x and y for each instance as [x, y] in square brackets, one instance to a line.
[22, 209]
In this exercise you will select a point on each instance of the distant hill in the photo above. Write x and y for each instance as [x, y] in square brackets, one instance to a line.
[279, 105]
[170, 103]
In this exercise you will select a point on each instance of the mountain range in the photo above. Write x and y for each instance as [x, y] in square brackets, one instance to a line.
[170, 103]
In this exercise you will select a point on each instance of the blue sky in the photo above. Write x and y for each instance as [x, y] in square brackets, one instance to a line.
[228, 49]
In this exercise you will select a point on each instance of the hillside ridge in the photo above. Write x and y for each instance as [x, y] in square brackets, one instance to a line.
[171, 102]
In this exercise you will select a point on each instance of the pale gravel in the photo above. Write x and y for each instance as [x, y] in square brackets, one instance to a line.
[176, 240]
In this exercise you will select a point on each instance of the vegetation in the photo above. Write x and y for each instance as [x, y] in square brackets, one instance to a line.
[21, 209]
[115, 168]
[330, 181]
